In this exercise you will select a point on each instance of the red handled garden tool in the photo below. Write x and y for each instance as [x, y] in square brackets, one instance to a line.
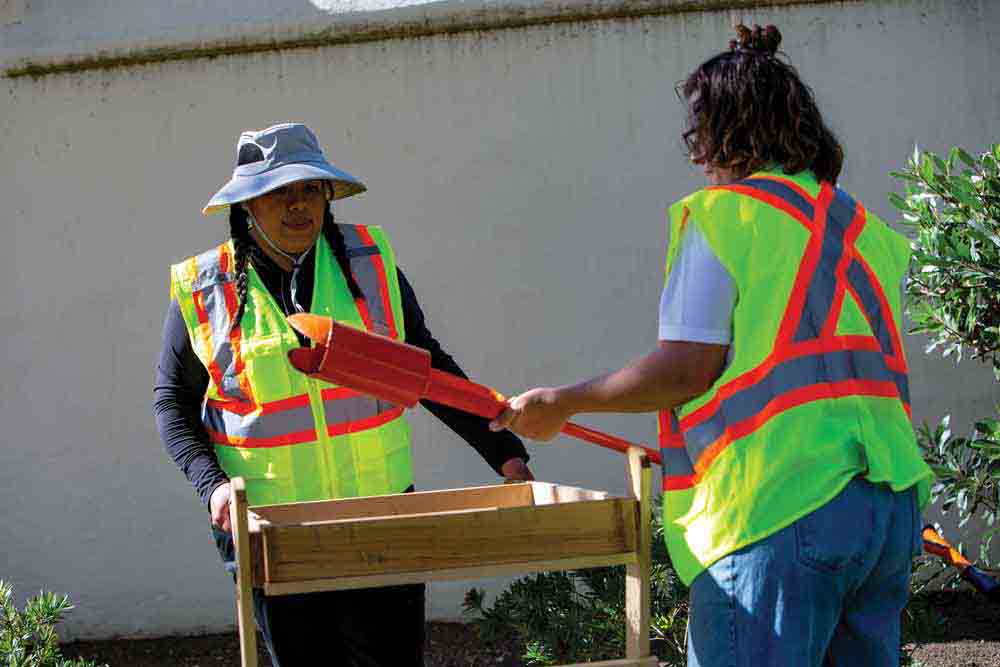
[402, 374]
[982, 582]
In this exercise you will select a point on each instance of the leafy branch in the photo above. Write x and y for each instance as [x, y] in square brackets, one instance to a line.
[952, 206]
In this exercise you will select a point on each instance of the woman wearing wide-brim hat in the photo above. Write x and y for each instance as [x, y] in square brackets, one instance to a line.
[228, 403]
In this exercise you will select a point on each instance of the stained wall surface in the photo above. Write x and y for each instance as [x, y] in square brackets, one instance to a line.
[522, 175]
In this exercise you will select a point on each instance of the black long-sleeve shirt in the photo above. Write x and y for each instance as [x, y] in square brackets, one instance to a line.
[181, 382]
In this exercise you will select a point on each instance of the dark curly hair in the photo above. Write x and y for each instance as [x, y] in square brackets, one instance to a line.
[748, 108]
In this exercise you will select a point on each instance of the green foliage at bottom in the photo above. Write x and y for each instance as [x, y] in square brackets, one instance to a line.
[579, 615]
[28, 637]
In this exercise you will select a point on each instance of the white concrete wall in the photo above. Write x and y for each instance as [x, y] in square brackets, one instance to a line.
[522, 174]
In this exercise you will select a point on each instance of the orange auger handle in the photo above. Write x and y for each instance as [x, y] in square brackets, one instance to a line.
[937, 545]
[402, 374]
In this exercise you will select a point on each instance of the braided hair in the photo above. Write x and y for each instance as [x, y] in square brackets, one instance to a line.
[748, 108]
[243, 243]
[239, 231]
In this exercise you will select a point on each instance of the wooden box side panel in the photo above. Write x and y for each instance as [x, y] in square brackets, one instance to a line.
[545, 493]
[459, 540]
[420, 502]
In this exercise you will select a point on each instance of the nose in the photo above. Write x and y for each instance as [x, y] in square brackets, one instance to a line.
[296, 201]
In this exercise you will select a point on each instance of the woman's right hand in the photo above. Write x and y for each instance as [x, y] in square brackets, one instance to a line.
[219, 506]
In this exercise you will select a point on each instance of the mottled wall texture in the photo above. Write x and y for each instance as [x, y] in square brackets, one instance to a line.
[522, 171]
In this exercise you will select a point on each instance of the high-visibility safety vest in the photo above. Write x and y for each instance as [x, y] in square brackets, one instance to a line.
[294, 438]
[816, 391]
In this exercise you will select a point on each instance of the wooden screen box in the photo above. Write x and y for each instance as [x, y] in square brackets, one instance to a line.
[446, 535]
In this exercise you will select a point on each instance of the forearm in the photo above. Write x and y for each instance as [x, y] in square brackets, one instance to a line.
[186, 443]
[178, 390]
[667, 377]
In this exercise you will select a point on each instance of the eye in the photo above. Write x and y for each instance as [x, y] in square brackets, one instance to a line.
[313, 188]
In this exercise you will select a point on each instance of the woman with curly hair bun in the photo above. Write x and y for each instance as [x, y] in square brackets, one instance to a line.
[792, 479]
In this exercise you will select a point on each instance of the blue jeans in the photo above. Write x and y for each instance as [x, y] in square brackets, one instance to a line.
[825, 591]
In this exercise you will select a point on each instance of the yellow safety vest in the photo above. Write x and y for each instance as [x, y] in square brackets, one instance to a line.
[817, 391]
[294, 438]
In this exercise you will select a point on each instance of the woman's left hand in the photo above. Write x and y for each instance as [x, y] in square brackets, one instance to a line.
[516, 470]
[535, 414]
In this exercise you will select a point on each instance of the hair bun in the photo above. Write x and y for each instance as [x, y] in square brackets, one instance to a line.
[764, 41]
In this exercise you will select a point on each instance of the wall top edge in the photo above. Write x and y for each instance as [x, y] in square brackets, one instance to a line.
[57, 42]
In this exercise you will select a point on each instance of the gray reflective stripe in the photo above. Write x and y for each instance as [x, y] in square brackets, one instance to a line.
[861, 282]
[353, 408]
[214, 281]
[362, 252]
[209, 272]
[783, 191]
[366, 275]
[676, 462]
[814, 370]
[823, 282]
[786, 377]
[213, 277]
[259, 426]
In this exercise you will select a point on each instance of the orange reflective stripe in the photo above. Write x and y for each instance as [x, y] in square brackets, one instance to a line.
[234, 406]
[786, 401]
[840, 273]
[678, 473]
[231, 422]
[226, 265]
[359, 425]
[809, 362]
[204, 331]
[897, 359]
[807, 269]
[383, 283]
[366, 316]
[802, 216]
[283, 440]
[300, 401]
[338, 393]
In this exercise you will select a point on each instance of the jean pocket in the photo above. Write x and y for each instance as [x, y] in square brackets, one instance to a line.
[836, 536]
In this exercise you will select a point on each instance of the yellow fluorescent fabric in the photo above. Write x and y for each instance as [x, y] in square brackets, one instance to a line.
[292, 437]
[817, 391]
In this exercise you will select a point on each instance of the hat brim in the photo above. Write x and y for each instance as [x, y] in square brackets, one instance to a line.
[242, 188]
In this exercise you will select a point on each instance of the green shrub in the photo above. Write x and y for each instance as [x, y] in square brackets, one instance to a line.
[28, 637]
[579, 615]
[968, 478]
[953, 289]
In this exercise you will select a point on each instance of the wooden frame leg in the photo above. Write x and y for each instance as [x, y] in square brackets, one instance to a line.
[637, 576]
[244, 581]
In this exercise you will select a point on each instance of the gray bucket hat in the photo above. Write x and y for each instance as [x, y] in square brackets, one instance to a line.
[276, 156]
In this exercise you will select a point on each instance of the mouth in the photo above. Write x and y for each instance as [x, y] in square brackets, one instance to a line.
[297, 224]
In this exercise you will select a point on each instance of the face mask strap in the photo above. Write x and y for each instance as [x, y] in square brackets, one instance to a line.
[253, 224]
